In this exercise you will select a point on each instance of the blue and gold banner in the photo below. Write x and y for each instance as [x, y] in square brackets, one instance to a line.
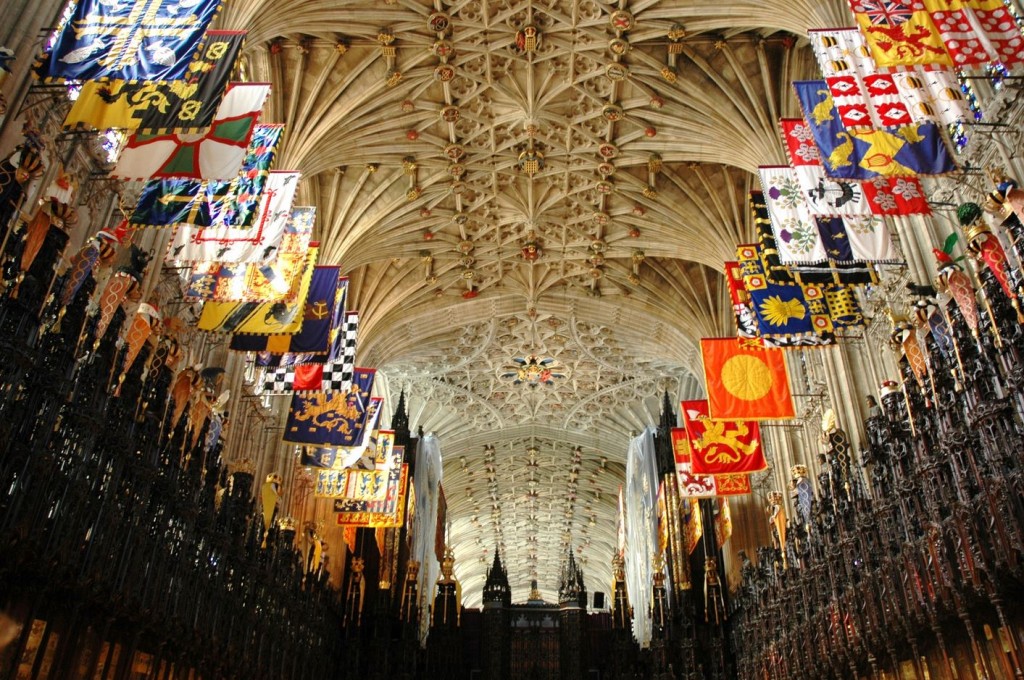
[358, 487]
[161, 106]
[342, 340]
[866, 153]
[322, 457]
[389, 513]
[331, 418]
[788, 315]
[234, 204]
[262, 318]
[327, 294]
[128, 40]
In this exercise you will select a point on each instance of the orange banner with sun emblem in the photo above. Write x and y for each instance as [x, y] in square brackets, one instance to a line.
[720, 447]
[745, 380]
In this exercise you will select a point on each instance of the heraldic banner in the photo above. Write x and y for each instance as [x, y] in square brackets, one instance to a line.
[140, 40]
[721, 446]
[692, 485]
[334, 418]
[745, 380]
[186, 106]
[263, 318]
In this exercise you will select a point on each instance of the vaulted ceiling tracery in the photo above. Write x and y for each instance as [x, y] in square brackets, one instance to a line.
[517, 187]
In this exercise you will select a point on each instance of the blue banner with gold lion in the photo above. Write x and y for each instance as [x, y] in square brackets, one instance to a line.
[331, 418]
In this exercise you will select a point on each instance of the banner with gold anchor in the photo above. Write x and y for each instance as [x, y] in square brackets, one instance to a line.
[328, 292]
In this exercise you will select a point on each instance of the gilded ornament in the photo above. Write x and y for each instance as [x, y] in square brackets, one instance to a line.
[444, 73]
[612, 113]
[443, 49]
[621, 20]
[616, 72]
[527, 40]
[439, 22]
[677, 32]
[454, 152]
[531, 248]
[450, 113]
[531, 162]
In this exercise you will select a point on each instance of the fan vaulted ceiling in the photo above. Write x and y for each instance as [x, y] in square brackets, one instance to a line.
[533, 201]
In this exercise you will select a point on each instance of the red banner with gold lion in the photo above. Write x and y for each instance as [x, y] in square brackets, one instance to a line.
[720, 447]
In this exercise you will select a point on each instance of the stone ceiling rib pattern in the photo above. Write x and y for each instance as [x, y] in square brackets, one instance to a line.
[533, 201]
